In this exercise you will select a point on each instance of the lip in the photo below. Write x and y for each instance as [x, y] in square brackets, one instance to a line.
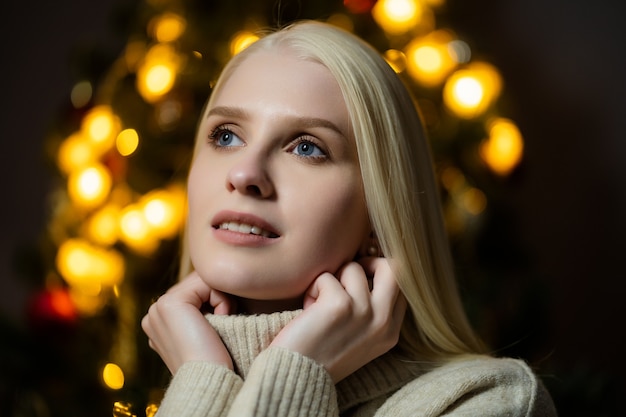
[245, 239]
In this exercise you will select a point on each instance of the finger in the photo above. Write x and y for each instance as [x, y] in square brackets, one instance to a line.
[221, 303]
[385, 287]
[323, 285]
[193, 290]
[353, 278]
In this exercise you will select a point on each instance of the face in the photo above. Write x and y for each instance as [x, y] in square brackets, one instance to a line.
[275, 190]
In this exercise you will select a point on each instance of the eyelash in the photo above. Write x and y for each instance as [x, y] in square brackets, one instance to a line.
[224, 128]
[219, 129]
[309, 139]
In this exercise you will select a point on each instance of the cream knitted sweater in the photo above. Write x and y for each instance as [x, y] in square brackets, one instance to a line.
[274, 382]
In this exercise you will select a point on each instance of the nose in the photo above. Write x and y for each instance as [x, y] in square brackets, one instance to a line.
[249, 175]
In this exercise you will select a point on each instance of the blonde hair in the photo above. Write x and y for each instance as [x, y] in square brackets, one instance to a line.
[400, 188]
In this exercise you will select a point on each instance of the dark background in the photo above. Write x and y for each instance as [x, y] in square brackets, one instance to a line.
[563, 64]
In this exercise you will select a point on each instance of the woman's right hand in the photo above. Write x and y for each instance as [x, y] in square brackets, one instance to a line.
[177, 329]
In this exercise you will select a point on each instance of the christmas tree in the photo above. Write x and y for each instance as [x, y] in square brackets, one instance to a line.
[120, 155]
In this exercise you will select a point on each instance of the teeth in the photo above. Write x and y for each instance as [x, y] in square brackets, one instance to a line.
[244, 228]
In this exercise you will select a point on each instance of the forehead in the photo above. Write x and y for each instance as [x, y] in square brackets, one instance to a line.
[279, 81]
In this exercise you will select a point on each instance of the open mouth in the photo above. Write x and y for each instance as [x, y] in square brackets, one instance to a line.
[246, 229]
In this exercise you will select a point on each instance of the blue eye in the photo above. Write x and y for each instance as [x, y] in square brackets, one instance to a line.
[306, 148]
[223, 137]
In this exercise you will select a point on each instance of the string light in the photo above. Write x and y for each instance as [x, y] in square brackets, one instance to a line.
[90, 186]
[396, 59]
[164, 211]
[428, 58]
[241, 40]
[168, 27]
[113, 376]
[127, 142]
[102, 228]
[470, 91]
[100, 126]
[135, 230]
[156, 76]
[504, 148]
[397, 16]
[89, 267]
[74, 153]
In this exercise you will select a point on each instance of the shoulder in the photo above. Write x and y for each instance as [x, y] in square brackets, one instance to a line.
[475, 384]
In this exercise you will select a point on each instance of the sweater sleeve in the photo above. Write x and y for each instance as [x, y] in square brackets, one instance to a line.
[282, 383]
[481, 386]
[200, 389]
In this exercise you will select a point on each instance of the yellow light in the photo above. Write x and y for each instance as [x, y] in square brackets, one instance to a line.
[113, 376]
[429, 59]
[504, 148]
[169, 27]
[151, 410]
[127, 142]
[157, 74]
[396, 60]
[89, 267]
[163, 211]
[452, 179]
[473, 201]
[470, 91]
[74, 153]
[102, 227]
[100, 126]
[135, 230]
[159, 79]
[90, 186]
[241, 40]
[88, 301]
[341, 20]
[397, 16]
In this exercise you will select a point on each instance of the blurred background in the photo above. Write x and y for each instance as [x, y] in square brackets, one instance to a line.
[532, 173]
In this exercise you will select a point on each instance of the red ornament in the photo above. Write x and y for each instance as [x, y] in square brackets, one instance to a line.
[52, 307]
[359, 6]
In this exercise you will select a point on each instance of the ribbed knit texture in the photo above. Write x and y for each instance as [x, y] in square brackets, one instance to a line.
[275, 382]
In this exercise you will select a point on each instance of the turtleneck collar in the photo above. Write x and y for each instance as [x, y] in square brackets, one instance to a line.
[246, 336]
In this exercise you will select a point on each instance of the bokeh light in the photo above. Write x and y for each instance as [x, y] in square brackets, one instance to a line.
[103, 226]
[156, 76]
[90, 186]
[397, 16]
[127, 142]
[135, 230]
[89, 267]
[470, 91]
[241, 40]
[75, 152]
[168, 27]
[113, 376]
[100, 126]
[81, 94]
[504, 148]
[396, 59]
[428, 58]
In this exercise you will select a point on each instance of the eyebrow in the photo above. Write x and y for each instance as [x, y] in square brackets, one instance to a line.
[304, 122]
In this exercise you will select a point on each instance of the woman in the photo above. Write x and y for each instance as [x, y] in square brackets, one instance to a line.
[316, 243]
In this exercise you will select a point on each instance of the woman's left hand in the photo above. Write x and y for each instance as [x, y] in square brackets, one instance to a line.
[344, 325]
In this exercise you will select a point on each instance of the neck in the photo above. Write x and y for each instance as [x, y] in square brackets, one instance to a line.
[250, 306]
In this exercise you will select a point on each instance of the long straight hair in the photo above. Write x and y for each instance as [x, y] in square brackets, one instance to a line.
[400, 189]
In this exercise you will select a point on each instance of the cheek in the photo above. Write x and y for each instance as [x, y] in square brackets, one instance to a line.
[343, 222]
